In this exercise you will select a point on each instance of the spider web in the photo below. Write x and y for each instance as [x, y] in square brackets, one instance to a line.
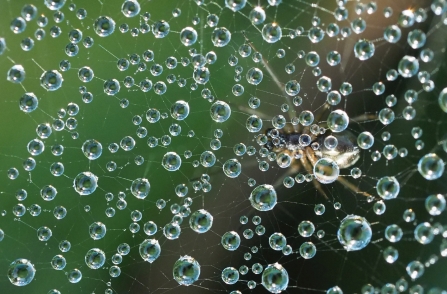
[110, 118]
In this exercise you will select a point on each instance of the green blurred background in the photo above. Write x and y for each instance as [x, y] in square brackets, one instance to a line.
[104, 120]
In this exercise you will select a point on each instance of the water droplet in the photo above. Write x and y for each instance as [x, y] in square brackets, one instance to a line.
[431, 166]
[85, 183]
[21, 272]
[271, 33]
[364, 49]
[275, 278]
[150, 250]
[354, 233]
[95, 258]
[104, 26]
[263, 197]
[201, 221]
[186, 270]
[230, 275]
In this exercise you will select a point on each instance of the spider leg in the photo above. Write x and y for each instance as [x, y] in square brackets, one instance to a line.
[251, 111]
[366, 117]
[352, 187]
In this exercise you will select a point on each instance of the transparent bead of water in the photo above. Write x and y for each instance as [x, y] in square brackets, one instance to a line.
[277, 241]
[306, 228]
[97, 230]
[333, 98]
[201, 221]
[92, 149]
[221, 37]
[392, 34]
[186, 270]
[74, 276]
[254, 76]
[424, 233]
[378, 88]
[312, 58]
[409, 112]
[324, 84]
[415, 269]
[271, 33]
[16, 74]
[149, 250]
[21, 272]
[64, 246]
[316, 34]
[171, 161]
[180, 110]
[358, 25]
[27, 44]
[114, 271]
[435, 204]
[379, 207]
[254, 102]
[406, 18]
[253, 124]
[388, 187]
[230, 240]
[160, 29]
[427, 55]
[391, 75]
[390, 152]
[333, 58]
[130, 8]
[44, 234]
[85, 183]
[51, 80]
[18, 25]
[104, 26]
[408, 66]
[257, 15]
[95, 258]
[172, 231]
[364, 49]
[354, 233]
[307, 250]
[292, 88]
[388, 12]
[390, 254]
[319, 209]
[386, 116]
[416, 39]
[263, 197]
[338, 120]
[275, 278]
[326, 170]
[230, 275]
[431, 166]
[393, 233]
[28, 102]
[332, 30]
[409, 215]
[35, 147]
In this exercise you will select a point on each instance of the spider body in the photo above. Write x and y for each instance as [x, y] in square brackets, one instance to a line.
[345, 154]
[301, 146]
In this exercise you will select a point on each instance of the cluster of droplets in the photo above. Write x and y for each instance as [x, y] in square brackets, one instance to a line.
[325, 143]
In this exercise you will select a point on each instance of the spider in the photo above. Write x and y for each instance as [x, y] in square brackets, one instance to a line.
[305, 145]
[294, 149]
